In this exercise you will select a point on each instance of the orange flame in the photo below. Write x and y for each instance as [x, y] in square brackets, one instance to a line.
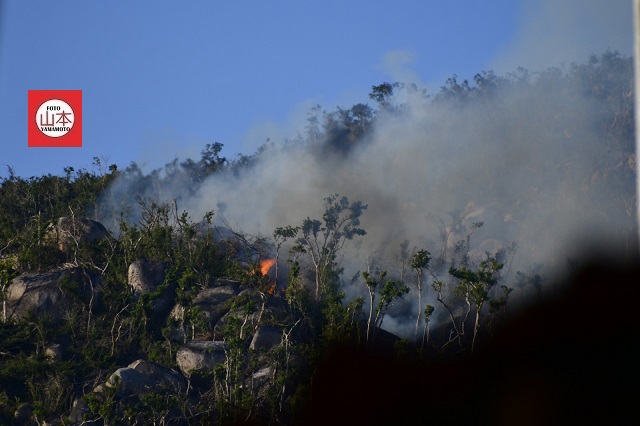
[266, 265]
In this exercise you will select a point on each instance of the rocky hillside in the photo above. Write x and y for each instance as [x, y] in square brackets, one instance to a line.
[79, 348]
[442, 304]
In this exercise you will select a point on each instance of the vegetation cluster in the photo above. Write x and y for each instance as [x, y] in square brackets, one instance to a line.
[460, 301]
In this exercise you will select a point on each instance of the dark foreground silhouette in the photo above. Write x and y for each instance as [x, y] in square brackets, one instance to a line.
[572, 359]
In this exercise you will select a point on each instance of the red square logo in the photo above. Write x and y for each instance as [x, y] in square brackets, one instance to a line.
[55, 118]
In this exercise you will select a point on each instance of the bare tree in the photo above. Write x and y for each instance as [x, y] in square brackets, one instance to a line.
[419, 261]
[280, 236]
[371, 284]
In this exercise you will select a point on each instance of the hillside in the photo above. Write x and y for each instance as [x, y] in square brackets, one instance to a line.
[466, 256]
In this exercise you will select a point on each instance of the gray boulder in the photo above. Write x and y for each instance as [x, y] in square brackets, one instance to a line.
[213, 301]
[80, 409]
[248, 318]
[146, 276]
[142, 377]
[176, 327]
[222, 282]
[266, 337]
[200, 356]
[212, 304]
[261, 379]
[249, 309]
[217, 295]
[70, 230]
[51, 293]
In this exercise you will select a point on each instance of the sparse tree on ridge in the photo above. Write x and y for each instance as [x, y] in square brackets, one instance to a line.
[419, 261]
[280, 236]
[383, 95]
[474, 287]
[323, 239]
[371, 284]
[392, 291]
[428, 311]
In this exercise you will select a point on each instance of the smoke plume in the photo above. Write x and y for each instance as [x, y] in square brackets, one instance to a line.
[533, 162]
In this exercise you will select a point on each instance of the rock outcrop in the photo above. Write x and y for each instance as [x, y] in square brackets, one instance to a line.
[211, 304]
[266, 337]
[200, 356]
[70, 231]
[51, 293]
[252, 309]
[213, 301]
[142, 377]
[145, 277]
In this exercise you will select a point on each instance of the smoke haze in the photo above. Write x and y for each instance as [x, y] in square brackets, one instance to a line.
[555, 33]
[530, 161]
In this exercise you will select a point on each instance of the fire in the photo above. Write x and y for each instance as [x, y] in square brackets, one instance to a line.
[266, 265]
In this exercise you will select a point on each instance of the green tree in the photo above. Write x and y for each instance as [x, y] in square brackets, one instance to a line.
[372, 283]
[428, 311]
[323, 239]
[392, 291]
[7, 273]
[383, 95]
[419, 261]
[312, 128]
[474, 287]
[280, 236]
[210, 160]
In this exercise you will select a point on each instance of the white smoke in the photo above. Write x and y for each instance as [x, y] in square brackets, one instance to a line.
[433, 163]
[518, 163]
[561, 32]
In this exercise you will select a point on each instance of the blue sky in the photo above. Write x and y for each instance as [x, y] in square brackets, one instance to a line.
[161, 79]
